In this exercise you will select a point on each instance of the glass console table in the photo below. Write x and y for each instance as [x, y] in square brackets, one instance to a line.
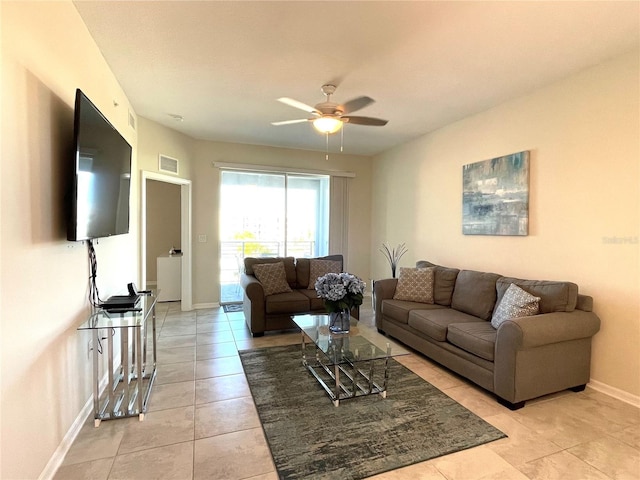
[129, 383]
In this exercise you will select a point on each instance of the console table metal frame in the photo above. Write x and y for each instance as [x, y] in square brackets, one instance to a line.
[130, 383]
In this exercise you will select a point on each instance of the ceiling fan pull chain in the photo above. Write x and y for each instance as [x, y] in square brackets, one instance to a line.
[341, 140]
[326, 157]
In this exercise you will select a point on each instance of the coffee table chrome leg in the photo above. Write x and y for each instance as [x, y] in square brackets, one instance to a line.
[336, 370]
[386, 371]
[371, 364]
[354, 379]
[304, 350]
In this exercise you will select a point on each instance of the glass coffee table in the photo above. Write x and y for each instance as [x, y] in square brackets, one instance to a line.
[347, 365]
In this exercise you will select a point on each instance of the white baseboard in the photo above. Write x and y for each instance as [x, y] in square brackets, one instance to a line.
[615, 393]
[200, 306]
[57, 458]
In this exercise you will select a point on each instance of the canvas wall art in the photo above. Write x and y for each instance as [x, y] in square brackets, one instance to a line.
[496, 196]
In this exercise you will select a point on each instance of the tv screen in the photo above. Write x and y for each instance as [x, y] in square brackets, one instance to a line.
[101, 177]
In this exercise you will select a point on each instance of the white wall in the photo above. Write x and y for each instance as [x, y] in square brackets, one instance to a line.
[206, 195]
[584, 138]
[196, 158]
[163, 223]
[45, 377]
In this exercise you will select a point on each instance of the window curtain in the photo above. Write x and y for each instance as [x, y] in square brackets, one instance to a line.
[339, 217]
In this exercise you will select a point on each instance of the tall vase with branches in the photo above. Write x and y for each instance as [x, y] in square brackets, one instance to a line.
[393, 255]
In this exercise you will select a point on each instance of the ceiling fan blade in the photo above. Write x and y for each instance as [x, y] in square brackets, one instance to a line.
[290, 122]
[296, 104]
[370, 121]
[356, 104]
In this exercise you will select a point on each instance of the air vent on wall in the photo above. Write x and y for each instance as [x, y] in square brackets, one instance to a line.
[168, 164]
[132, 120]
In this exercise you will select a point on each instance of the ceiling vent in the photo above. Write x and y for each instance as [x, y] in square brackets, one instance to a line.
[168, 164]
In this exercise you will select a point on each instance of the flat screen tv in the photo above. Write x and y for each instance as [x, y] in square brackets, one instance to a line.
[99, 197]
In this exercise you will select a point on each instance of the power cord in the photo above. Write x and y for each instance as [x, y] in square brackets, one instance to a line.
[94, 295]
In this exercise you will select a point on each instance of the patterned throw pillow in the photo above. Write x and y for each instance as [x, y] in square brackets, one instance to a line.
[318, 268]
[514, 304]
[272, 277]
[415, 285]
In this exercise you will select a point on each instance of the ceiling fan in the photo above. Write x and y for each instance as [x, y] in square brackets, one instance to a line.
[329, 117]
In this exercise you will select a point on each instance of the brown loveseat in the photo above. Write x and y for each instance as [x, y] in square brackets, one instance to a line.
[273, 312]
[521, 359]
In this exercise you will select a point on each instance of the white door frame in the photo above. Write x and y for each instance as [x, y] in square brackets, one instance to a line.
[185, 232]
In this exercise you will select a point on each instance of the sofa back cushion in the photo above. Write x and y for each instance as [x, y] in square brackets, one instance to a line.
[515, 303]
[303, 270]
[475, 293]
[289, 266]
[319, 268]
[554, 296]
[443, 283]
[272, 277]
[415, 285]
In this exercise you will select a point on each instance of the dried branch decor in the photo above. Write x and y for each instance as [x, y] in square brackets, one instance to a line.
[393, 256]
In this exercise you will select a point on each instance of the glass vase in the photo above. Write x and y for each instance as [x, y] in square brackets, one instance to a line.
[339, 322]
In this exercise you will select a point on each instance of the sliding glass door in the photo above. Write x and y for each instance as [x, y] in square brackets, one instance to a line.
[268, 215]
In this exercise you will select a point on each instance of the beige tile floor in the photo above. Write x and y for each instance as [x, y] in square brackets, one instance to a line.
[202, 423]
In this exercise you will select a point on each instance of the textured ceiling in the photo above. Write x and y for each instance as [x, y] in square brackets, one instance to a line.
[222, 65]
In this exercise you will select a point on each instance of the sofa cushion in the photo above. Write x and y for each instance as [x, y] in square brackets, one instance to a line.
[315, 303]
[319, 268]
[434, 323]
[398, 310]
[475, 293]
[286, 303]
[478, 338]
[303, 269]
[415, 285]
[554, 296]
[289, 266]
[515, 303]
[443, 283]
[272, 277]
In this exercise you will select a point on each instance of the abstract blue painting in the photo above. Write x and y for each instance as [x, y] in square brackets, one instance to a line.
[495, 196]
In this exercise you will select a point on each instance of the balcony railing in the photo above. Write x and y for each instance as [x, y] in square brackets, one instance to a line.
[233, 252]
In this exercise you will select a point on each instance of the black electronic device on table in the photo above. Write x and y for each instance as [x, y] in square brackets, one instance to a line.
[120, 302]
[123, 302]
[133, 290]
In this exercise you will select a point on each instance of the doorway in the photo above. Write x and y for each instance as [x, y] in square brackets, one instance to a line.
[151, 247]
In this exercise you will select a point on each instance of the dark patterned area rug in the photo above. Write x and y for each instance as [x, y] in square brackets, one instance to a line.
[311, 439]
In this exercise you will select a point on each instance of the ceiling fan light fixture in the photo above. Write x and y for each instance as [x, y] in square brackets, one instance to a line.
[327, 124]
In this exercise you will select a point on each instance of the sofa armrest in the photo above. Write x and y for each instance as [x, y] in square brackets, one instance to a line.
[253, 303]
[382, 290]
[252, 287]
[547, 328]
[542, 354]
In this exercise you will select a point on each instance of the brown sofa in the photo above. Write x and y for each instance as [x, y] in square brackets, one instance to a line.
[273, 312]
[522, 359]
